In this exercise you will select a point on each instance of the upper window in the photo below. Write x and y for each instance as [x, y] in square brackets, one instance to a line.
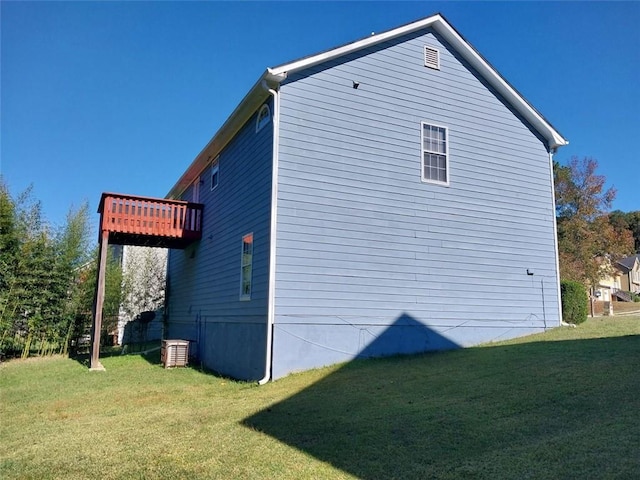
[195, 196]
[215, 173]
[435, 159]
[264, 117]
[246, 266]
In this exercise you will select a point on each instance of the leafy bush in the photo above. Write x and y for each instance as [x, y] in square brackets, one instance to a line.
[574, 302]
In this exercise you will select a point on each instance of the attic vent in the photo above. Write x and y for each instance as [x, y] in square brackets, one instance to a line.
[431, 57]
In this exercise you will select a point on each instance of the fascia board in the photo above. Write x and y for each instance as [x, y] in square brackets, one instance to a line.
[440, 25]
[251, 101]
[554, 138]
[274, 76]
[352, 47]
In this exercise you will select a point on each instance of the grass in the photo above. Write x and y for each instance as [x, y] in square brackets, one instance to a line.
[564, 404]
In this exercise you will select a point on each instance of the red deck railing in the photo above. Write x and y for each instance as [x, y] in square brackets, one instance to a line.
[134, 216]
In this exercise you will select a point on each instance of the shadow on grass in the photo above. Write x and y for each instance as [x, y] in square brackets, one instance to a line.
[564, 409]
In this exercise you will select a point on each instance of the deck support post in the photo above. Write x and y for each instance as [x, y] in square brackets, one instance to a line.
[99, 302]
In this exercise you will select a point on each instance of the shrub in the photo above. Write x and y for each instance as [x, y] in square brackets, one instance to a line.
[574, 302]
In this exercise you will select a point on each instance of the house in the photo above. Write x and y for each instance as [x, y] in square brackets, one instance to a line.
[622, 279]
[144, 280]
[393, 195]
[629, 268]
[604, 291]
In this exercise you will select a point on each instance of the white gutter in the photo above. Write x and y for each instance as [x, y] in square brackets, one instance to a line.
[272, 240]
[555, 234]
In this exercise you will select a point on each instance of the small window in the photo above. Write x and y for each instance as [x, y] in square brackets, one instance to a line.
[215, 173]
[435, 159]
[264, 117]
[431, 57]
[246, 266]
[195, 197]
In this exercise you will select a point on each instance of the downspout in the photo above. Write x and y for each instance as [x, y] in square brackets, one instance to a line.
[272, 238]
[555, 233]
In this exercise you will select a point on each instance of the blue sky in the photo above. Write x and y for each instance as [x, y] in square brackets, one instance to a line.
[122, 96]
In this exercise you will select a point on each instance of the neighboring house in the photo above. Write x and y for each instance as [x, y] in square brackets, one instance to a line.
[630, 274]
[144, 280]
[624, 278]
[393, 195]
[607, 286]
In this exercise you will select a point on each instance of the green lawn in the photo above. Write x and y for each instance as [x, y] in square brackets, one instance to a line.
[561, 405]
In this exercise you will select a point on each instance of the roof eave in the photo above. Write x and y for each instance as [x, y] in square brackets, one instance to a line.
[274, 76]
[476, 60]
[251, 101]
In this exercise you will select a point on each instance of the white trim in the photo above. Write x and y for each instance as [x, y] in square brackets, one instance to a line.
[555, 236]
[215, 169]
[446, 153]
[274, 76]
[441, 26]
[271, 307]
[351, 47]
[261, 125]
[244, 296]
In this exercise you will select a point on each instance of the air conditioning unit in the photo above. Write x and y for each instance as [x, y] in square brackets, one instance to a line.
[174, 353]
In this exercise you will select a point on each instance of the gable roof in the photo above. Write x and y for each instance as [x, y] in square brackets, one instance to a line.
[629, 262]
[272, 78]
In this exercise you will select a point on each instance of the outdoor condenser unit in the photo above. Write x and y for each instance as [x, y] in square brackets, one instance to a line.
[174, 353]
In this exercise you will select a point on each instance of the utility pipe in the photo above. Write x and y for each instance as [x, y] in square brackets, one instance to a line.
[272, 240]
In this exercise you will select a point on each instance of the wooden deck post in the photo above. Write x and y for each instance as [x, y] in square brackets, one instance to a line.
[97, 312]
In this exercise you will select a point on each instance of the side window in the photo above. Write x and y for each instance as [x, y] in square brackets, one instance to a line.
[246, 267]
[435, 157]
[264, 117]
[215, 173]
[195, 197]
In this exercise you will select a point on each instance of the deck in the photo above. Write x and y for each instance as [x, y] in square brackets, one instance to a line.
[144, 221]
[151, 222]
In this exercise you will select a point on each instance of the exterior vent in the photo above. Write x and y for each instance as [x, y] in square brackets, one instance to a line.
[174, 353]
[431, 57]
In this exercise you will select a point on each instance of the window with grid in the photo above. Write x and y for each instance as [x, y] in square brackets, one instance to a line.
[264, 117]
[215, 173]
[245, 267]
[435, 160]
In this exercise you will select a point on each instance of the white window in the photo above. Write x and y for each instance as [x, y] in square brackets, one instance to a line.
[245, 267]
[264, 117]
[435, 159]
[196, 191]
[215, 173]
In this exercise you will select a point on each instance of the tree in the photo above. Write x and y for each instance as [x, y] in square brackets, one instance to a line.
[73, 247]
[26, 297]
[9, 247]
[629, 221]
[588, 242]
[143, 279]
[112, 297]
[40, 269]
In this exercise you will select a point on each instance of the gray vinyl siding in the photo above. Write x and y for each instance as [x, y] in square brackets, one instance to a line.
[227, 334]
[372, 261]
